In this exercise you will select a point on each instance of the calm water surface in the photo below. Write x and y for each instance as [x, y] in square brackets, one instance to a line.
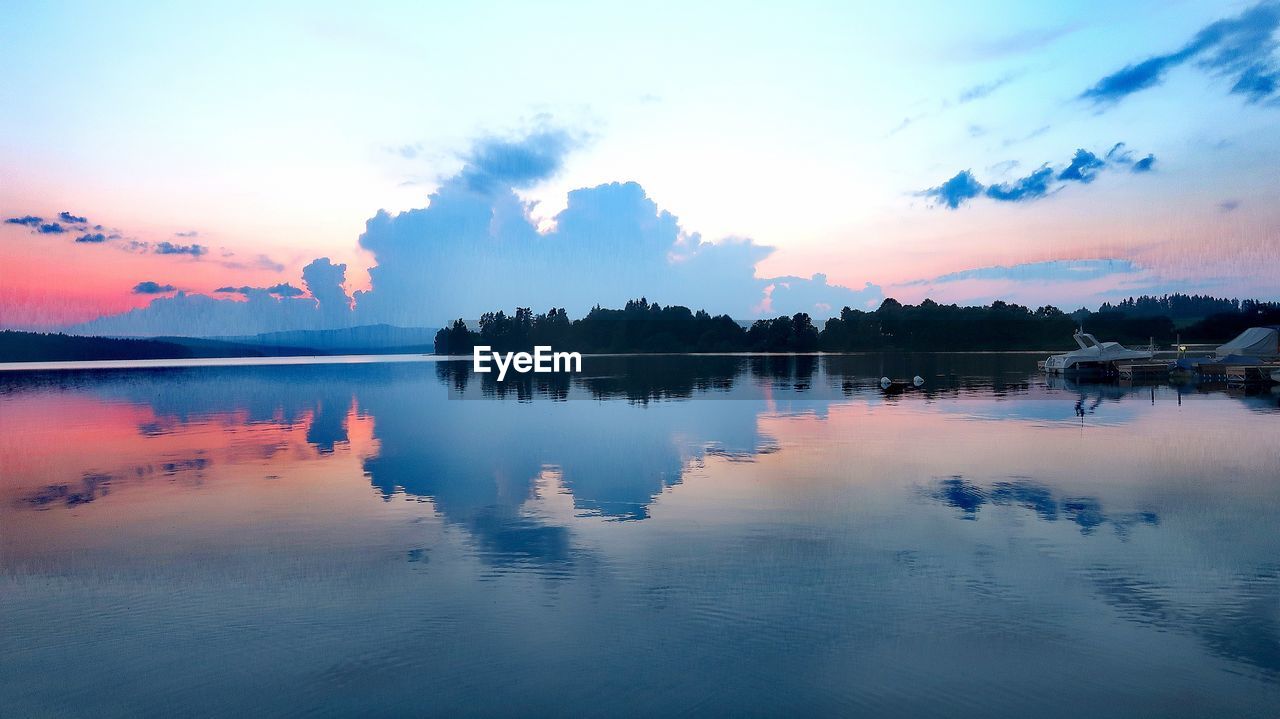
[661, 535]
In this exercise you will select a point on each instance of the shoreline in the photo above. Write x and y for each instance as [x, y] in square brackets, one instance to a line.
[288, 360]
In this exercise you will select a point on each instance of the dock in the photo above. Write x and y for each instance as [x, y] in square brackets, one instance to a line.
[1143, 370]
[1236, 374]
[1262, 373]
[1250, 374]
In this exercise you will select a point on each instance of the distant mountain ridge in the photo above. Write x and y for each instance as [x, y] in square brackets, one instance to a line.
[18, 346]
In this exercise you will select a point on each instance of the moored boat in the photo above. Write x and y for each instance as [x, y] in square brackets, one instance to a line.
[1093, 356]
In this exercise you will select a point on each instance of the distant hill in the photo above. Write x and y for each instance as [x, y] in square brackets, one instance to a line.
[371, 339]
[40, 347]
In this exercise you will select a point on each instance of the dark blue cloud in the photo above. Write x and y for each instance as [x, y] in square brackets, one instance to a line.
[72, 219]
[496, 163]
[284, 289]
[51, 228]
[1241, 48]
[25, 220]
[1130, 79]
[152, 288]
[168, 248]
[1255, 83]
[1144, 165]
[956, 191]
[1119, 153]
[1083, 168]
[92, 237]
[1030, 187]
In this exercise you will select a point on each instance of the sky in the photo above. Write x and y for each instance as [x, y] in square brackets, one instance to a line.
[238, 168]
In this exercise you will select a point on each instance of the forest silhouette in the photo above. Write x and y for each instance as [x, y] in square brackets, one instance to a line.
[645, 327]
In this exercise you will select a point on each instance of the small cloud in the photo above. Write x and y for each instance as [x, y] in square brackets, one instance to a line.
[495, 162]
[1046, 271]
[1083, 168]
[956, 191]
[977, 92]
[152, 288]
[266, 263]
[1129, 80]
[1029, 136]
[1119, 153]
[967, 95]
[93, 238]
[259, 262]
[25, 220]
[72, 219]
[1003, 166]
[1144, 165]
[1228, 205]
[168, 248]
[51, 228]
[283, 289]
[188, 234]
[1256, 84]
[1031, 187]
[1016, 44]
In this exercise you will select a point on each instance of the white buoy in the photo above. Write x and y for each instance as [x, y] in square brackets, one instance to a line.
[884, 382]
[917, 380]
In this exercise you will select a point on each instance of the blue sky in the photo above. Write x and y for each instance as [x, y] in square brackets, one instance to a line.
[274, 132]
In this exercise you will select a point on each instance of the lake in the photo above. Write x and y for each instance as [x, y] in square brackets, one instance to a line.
[729, 535]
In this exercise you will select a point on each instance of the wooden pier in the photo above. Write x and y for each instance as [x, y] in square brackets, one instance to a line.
[1236, 374]
[1143, 370]
[1250, 374]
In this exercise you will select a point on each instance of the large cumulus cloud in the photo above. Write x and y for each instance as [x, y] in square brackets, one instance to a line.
[474, 247]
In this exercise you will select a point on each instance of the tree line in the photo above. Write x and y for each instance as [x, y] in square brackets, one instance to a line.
[648, 327]
[1181, 307]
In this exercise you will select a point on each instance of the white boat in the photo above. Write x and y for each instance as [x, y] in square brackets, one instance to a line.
[1093, 356]
[1261, 343]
